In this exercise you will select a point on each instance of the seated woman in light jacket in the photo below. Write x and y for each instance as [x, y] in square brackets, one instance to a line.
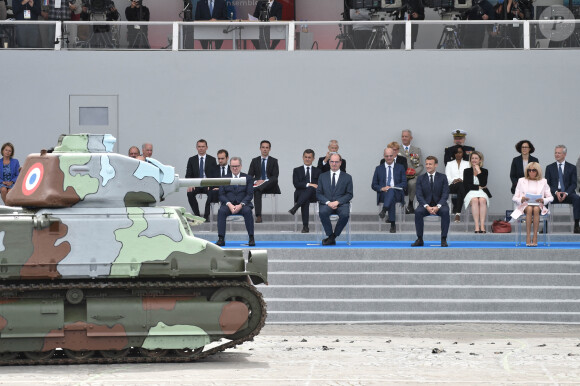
[532, 183]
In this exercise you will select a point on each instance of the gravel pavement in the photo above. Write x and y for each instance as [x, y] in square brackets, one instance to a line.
[354, 355]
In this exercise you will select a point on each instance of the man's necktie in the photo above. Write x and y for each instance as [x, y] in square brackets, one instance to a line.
[223, 171]
[308, 174]
[201, 168]
[333, 180]
[211, 7]
[561, 178]
[263, 168]
[431, 181]
[389, 176]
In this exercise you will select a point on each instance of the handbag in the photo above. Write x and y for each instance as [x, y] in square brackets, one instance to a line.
[501, 226]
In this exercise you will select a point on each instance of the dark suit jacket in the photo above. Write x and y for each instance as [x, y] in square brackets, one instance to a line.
[220, 10]
[275, 10]
[299, 179]
[570, 178]
[470, 185]
[517, 170]
[380, 180]
[326, 168]
[238, 194]
[440, 189]
[450, 153]
[272, 172]
[342, 193]
[209, 167]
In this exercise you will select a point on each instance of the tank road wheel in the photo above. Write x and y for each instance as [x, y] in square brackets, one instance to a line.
[6, 356]
[114, 354]
[152, 353]
[187, 352]
[240, 294]
[39, 355]
[79, 354]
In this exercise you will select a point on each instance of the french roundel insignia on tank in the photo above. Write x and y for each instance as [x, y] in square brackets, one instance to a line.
[32, 179]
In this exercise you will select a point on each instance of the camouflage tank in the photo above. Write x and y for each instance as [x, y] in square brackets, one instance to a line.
[92, 271]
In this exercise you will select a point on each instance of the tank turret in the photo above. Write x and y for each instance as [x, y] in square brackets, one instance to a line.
[93, 271]
[82, 171]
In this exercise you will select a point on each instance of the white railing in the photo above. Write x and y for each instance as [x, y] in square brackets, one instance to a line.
[331, 33]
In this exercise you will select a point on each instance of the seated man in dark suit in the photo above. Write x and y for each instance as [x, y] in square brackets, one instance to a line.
[222, 170]
[211, 10]
[334, 193]
[236, 200]
[267, 10]
[201, 165]
[389, 181]
[459, 139]
[265, 179]
[432, 193]
[562, 178]
[305, 180]
[323, 164]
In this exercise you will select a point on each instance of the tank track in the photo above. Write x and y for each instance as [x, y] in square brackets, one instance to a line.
[132, 357]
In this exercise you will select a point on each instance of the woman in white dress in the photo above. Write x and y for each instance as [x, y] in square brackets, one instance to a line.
[532, 184]
[475, 182]
[454, 172]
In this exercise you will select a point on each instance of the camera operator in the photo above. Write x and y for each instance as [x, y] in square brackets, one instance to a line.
[475, 33]
[411, 10]
[107, 7]
[137, 34]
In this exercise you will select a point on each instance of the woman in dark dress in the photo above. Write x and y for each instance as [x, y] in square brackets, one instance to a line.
[519, 163]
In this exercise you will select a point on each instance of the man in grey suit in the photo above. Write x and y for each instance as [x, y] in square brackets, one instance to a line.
[562, 178]
[334, 193]
[413, 155]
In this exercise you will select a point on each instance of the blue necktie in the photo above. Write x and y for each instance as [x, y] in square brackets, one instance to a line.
[308, 174]
[223, 171]
[431, 181]
[263, 168]
[561, 178]
[389, 176]
[211, 7]
[201, 168]
[333, 181]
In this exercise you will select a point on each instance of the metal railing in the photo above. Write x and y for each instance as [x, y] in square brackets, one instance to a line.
[291, 35]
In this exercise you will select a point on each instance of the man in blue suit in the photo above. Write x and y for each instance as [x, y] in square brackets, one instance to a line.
[236, 200]
[211, 10]
[389, 181]
[334, 193]
[305, 180]
[562, 178]
[432, 193]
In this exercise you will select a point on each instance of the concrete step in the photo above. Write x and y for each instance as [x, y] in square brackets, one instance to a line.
[425, 266]
[420, 291]
[421, 305]
[322, 317]
[422, 278]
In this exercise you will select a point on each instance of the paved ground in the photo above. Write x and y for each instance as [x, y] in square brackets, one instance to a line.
[355, 355]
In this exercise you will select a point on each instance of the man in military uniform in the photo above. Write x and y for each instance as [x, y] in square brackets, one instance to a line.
[459, 139]
[414, 163]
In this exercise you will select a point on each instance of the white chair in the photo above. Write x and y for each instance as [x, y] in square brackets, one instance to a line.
[399, 216]
[553, 206]
[312, 212]
[333, 218]
[544, 219]
[273, 203]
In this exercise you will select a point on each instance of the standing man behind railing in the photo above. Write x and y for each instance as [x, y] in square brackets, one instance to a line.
[27, 36]
[51, 12]
[211, 10]
[267, 10]
[137, 34]
[411, 10]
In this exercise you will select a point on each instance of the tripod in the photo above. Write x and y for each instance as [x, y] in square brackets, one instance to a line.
[505, 37]
[343, 38]
[380, 34]
[449, 38]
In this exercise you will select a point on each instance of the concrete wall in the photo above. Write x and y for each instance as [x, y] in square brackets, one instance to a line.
[303, 99]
